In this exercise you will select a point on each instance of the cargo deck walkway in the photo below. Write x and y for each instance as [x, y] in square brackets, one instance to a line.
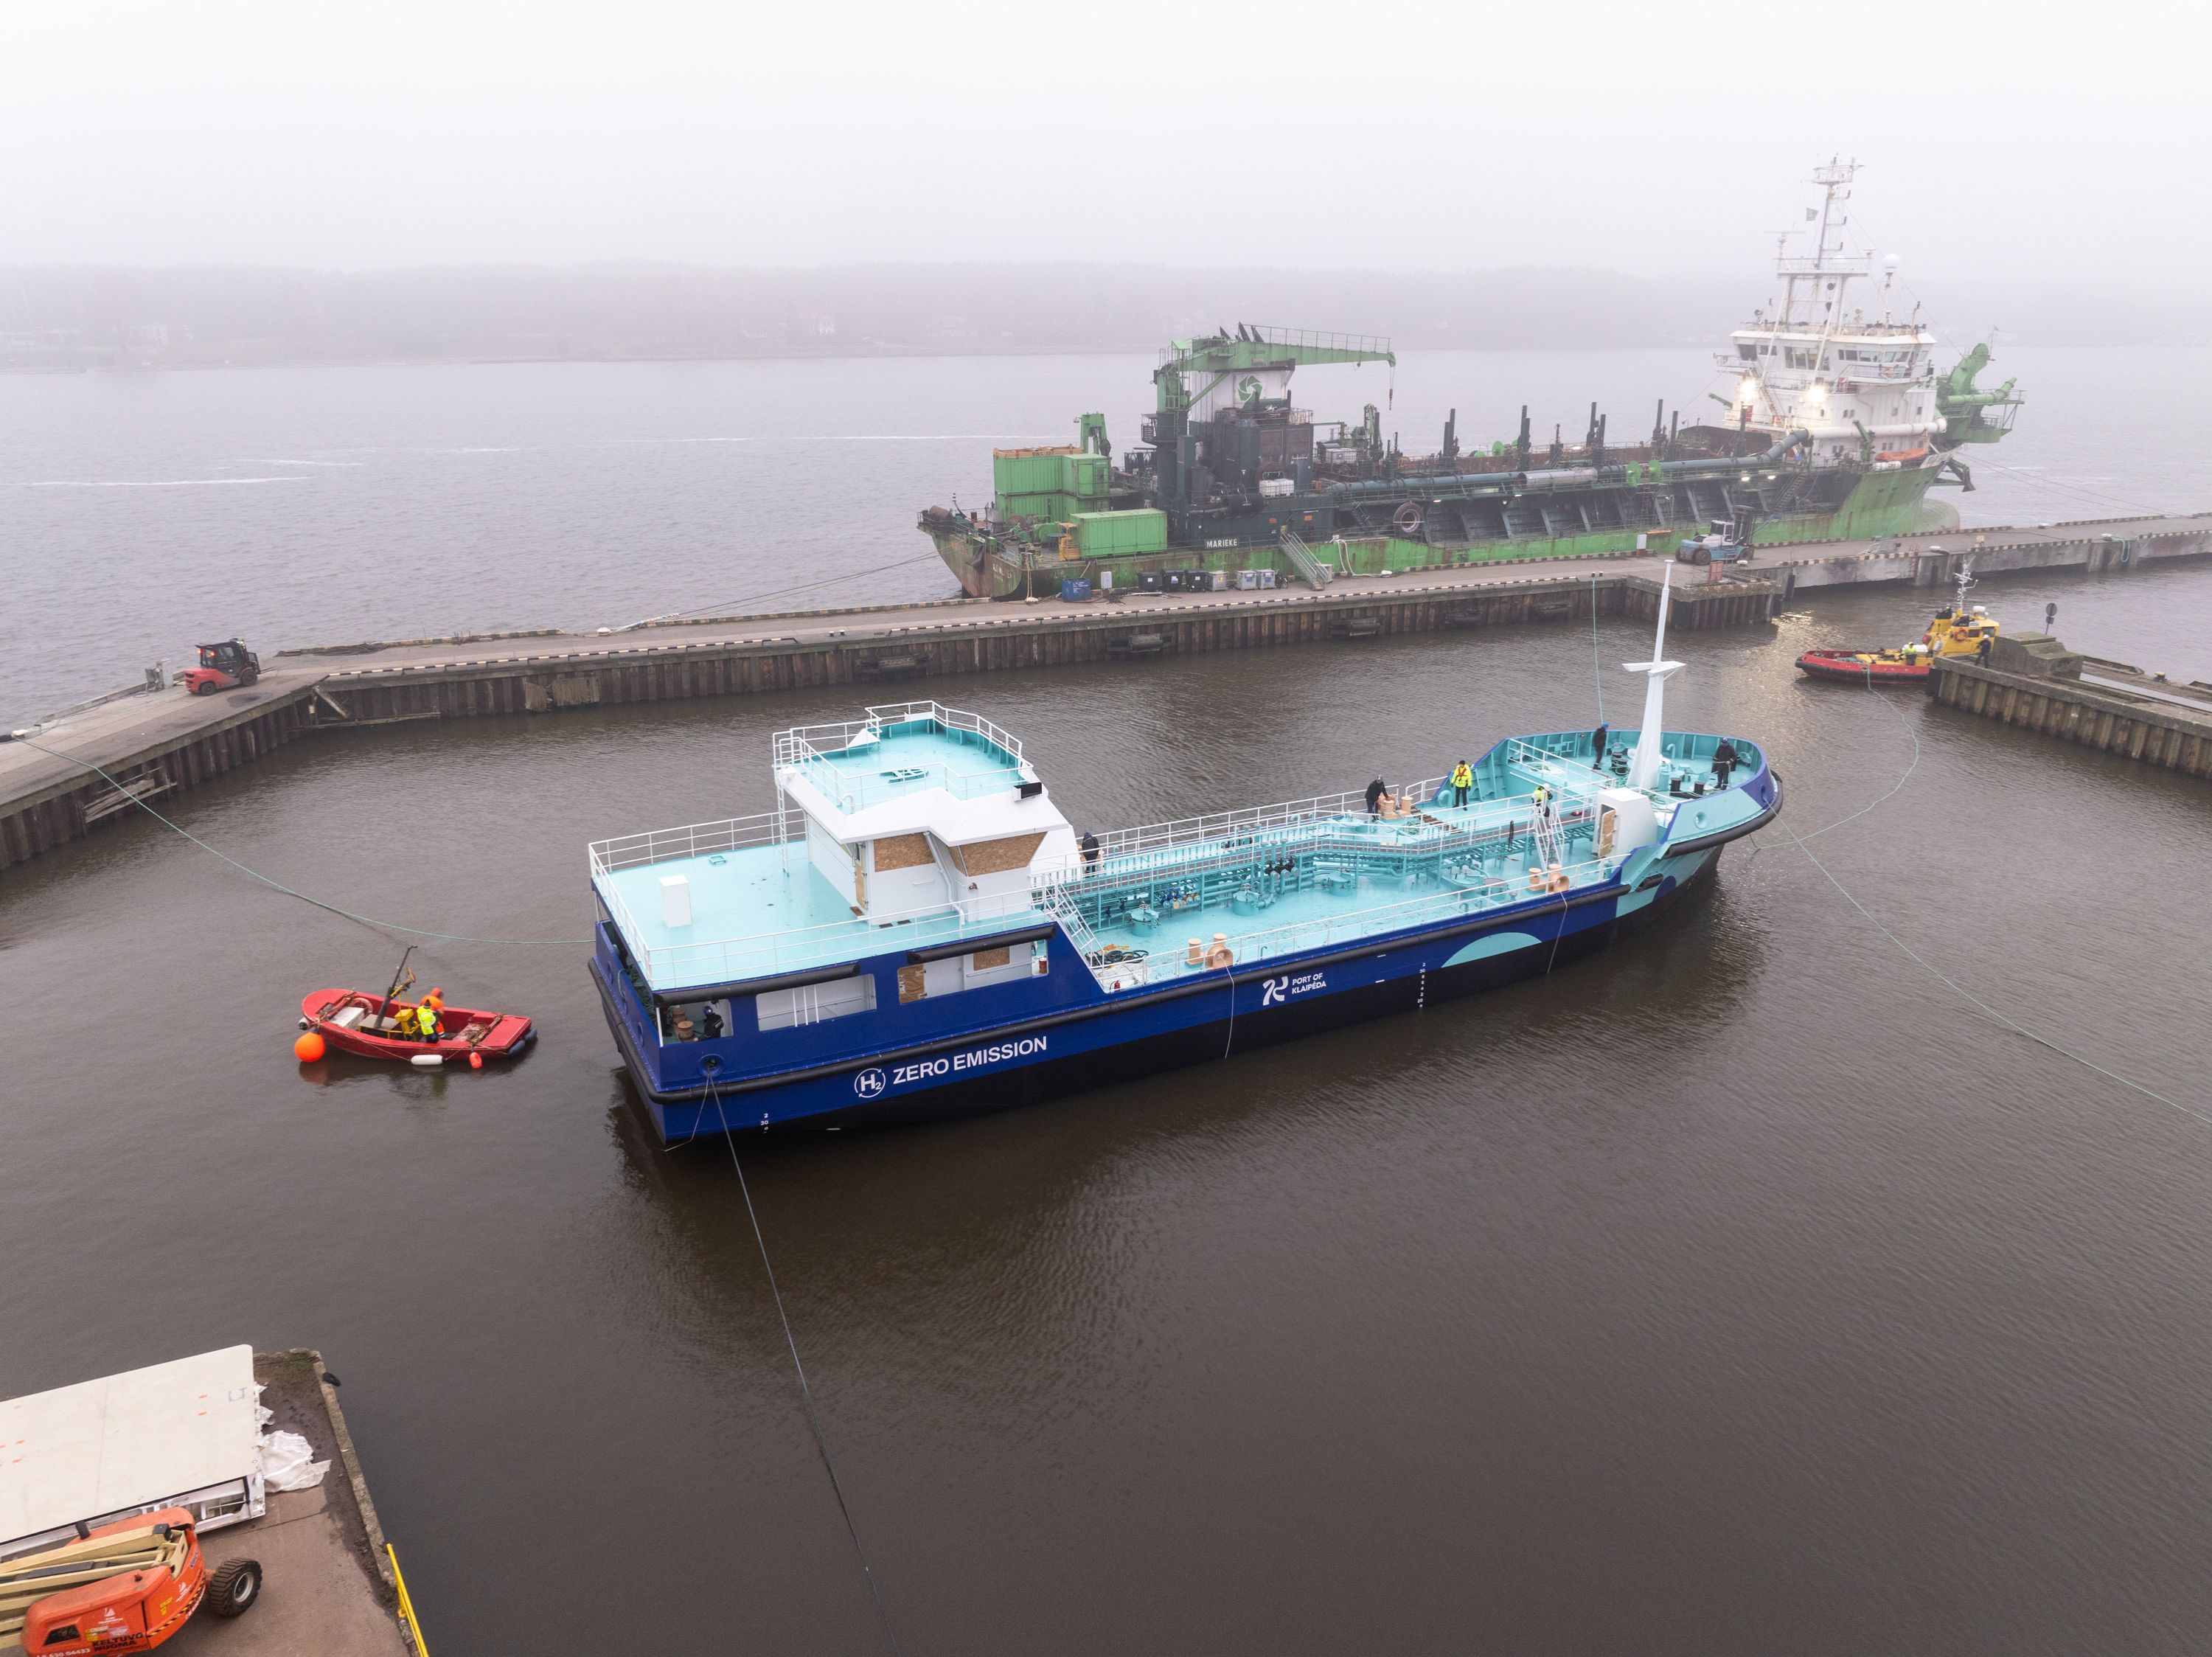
[155, 744]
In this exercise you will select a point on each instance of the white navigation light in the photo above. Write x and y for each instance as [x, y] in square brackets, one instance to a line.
[1748, 389]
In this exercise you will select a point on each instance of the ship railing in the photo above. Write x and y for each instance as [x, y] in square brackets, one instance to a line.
[764, 954]
[1329, 823]
[767, 828]
[1534, 889]
[1227, 825]
[815, 751]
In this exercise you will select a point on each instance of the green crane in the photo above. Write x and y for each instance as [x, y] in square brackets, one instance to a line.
[1965, 412]
[1250, 349]
[1245, 353]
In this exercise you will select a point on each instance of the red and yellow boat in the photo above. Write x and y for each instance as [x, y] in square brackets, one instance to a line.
[1958, 630]
[369, 1026]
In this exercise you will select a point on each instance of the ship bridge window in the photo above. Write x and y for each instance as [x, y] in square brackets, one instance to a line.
[1746, 351]
[779, 1009]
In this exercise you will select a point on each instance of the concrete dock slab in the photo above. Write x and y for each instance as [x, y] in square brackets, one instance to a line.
[322, 1589]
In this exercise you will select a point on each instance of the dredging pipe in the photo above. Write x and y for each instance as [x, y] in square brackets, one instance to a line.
[1441, 488]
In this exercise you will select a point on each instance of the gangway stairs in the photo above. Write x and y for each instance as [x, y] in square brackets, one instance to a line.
[1544, 829]
[1316, 573]
[1056, 898]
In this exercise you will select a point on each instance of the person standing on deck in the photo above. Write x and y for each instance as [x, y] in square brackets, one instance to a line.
[1376, 790]
[1462, 779]
[1725, 759]
[1090, 852]
[1597, 746]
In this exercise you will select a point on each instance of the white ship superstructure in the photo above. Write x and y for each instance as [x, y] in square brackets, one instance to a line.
[1864, 387]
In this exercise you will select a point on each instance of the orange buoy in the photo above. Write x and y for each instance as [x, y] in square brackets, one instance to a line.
[309, 1047]
[475, 1061]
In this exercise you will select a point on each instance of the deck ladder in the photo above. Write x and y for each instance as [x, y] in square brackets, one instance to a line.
[1311, 571]
[1057, 899]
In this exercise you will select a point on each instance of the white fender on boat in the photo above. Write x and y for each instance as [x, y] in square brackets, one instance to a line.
[427, 1061]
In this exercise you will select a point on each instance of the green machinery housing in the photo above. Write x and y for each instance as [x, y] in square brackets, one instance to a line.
[1231, 475]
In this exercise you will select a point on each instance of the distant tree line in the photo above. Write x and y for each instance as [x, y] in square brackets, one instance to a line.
[61, 317]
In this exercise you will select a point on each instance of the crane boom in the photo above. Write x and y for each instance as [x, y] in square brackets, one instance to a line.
[1248, 348]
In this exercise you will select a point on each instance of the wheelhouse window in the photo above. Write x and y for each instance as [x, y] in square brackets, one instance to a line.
[810, 1003]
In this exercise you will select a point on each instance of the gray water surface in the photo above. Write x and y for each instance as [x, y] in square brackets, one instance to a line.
[1740, 1290]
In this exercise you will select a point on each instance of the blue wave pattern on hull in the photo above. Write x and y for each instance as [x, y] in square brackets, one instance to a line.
[927, 937]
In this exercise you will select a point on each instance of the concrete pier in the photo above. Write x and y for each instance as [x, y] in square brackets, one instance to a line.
[157, 743]
[2034, 682]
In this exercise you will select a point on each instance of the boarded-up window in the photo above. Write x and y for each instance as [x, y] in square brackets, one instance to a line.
[913, 982]
[996, 856]
[902, 851]
[985, 959]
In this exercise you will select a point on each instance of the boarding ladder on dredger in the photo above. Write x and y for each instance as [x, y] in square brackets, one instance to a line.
[1311, 571]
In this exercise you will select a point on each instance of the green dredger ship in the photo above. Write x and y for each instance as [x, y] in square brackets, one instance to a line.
[1837, 425]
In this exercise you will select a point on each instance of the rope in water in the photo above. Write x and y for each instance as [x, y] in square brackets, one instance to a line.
[291, 891]
[1597, 666]
[1920, 961]
[805, 1392]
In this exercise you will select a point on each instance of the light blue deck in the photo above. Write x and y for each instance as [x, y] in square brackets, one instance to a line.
[758, 911]
[910, 757]
[1355, 877]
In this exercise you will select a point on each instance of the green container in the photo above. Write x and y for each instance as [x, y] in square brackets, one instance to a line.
[1121, 534]
[1030, 471]
[1089, 477]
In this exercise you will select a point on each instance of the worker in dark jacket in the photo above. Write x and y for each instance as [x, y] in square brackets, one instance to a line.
[1090, 843]
[1597, 744]
[1376, 790]
[1725, 759]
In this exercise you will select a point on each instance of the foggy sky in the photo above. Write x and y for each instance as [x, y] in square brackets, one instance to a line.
[1656, 141]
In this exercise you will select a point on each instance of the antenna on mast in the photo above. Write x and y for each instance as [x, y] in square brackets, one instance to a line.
[1643, 763]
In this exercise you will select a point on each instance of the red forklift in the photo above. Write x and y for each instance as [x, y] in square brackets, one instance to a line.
[223, 667]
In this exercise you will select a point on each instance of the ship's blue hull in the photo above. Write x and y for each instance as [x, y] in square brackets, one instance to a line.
[1058, 1034]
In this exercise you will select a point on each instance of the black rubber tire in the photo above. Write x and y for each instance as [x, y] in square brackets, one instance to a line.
[204, 688]
[233, 1587]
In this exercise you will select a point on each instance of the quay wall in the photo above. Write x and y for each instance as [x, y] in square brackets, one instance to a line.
[159, 745]
[1048, 637]
[42, 819]
[2148, 731]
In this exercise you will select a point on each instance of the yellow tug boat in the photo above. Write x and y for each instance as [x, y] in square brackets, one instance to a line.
[1958, 630]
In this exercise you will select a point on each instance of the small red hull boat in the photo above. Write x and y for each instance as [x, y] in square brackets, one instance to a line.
[1860, 666]
[359, 1022]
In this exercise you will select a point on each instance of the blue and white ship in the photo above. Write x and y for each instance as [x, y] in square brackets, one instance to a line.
[916, 932]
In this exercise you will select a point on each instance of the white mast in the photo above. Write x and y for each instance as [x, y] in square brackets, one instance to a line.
[1643, 763]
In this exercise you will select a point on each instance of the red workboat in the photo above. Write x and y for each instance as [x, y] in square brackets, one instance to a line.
[1864, 666]
[363, 1022]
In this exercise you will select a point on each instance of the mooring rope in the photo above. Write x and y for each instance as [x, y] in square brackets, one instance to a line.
[1935, 973]
[805, 1392]
[1597, 666]
[292, 891]
[776, 593]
